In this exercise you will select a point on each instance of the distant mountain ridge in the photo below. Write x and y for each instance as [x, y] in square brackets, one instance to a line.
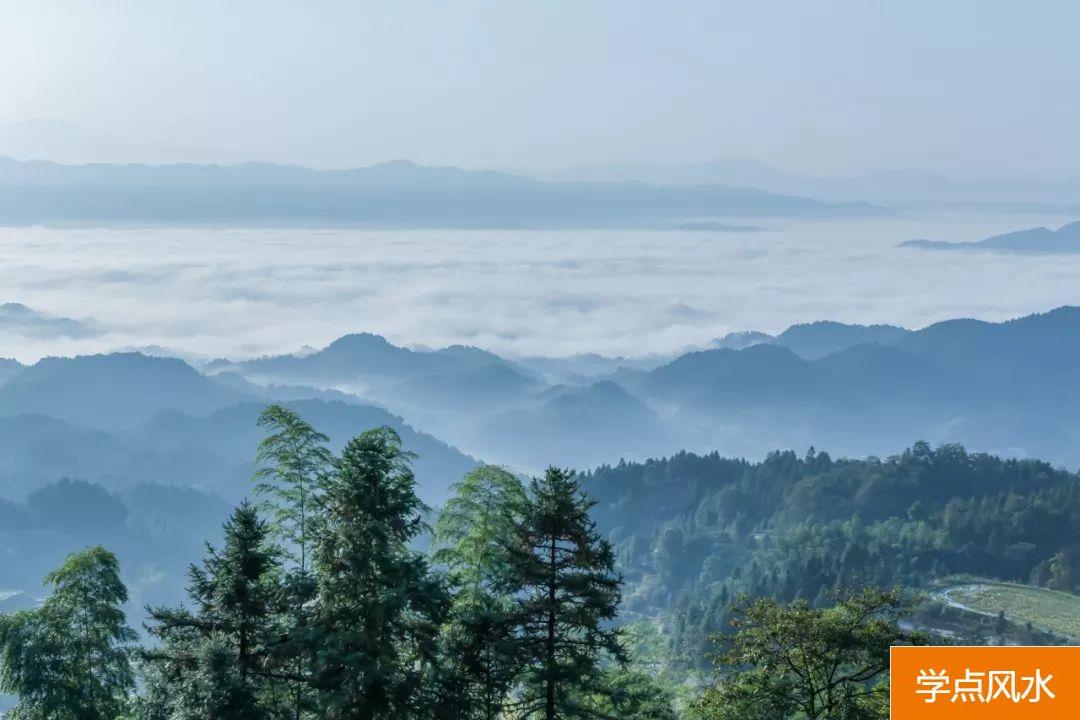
[400, 173]
[1039, 240]
[857, 387]
[361, 354]
[894, 188]
[816, 339]
[1045, 341]
[110, 391]
[8, 369]
[1007, 387]
[18, 319]
[123, 417]
[591, 425]
[398, 194]
[998, 386]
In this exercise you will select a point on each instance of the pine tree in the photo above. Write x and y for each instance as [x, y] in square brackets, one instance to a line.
[568, 594]
[475, 532]
[70, 658]
[217, 660]
[628, 694]
[378, 608]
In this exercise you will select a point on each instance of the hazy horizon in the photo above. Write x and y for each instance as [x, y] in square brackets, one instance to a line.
[572, 172]
[966, 89]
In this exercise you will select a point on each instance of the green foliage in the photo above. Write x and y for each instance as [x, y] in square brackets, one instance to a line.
[292, 461]
[1061, 572]
[474, 533]
[478, 655]
[477, 524]
[293, 464]
[218, 659]
[70, 659]
[326, 610]
[378, 609]
[562, 573]
[348, 620]
[787, 661]
[693, 532]
[630, 694]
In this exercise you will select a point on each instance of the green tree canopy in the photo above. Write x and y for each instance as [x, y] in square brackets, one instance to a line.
[292, 464]
[477, 526]
[474, 534]
[787, 661]
[378, 607]
[568, 594]
[292, 460]
[217, 660]
[70, 658]
[630, 694]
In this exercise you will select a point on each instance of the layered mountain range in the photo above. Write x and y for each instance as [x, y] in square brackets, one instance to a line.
[146, 453]
[1011, 388]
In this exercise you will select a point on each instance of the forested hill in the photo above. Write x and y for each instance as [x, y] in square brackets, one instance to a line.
[692, 532]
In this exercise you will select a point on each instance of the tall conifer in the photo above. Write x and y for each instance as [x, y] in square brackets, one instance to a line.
[568, 595]
[378, 609]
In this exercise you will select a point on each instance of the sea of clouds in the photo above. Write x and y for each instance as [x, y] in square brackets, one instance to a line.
[239, 292]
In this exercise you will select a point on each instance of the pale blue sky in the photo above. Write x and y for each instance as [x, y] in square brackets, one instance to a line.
[831, 86]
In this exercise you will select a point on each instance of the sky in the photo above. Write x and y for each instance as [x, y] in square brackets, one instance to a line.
[833, 87]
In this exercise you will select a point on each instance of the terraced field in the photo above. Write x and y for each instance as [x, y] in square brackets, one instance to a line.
[1051, 610]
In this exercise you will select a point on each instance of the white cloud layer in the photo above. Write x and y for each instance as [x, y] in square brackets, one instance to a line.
[234, 292]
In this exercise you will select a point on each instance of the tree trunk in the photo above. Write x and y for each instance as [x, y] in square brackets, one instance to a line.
[549, 709]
